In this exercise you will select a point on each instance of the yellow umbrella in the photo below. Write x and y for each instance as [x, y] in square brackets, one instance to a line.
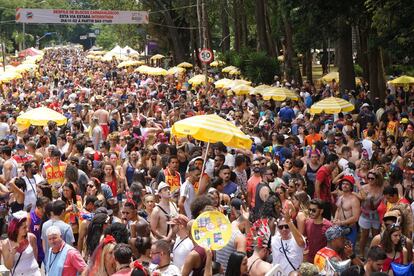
[331, 105]
[216, 63]
[9, 75]
[260, 88]
[278, 94]
[402, 80]
[185, 65]
[94, 57]
[143, 69]
[242, 89]
[157, 56]
[234, 83]
[335, 76]
[222, 83]
[157, 71]
[40, 117]
[175, 70]
[25, 68]
[129, 63]
[228, 69]
[199, 79]
[212, 129]
[234, 72]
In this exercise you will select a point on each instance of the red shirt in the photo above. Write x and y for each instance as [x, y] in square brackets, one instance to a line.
[316, 238]
[74, 263]
[251, 188]
[323, 175]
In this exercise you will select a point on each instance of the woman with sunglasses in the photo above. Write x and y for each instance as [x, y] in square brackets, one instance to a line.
[20, 248]
[94, 188]
[392, 245]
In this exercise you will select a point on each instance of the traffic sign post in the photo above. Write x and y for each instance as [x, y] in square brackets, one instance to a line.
[206, 56]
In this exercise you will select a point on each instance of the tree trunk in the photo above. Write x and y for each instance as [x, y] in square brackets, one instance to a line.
[271, 43]
[244, 30]
[225, 30]
[376, 73]
[290, 56]
[363, 52]
[345, 59]
[206, 27]
[237, 26]
[261, 26]
[308, 58]
[324, 57]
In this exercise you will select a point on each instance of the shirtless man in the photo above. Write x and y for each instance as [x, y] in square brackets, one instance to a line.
[162, 213]
[103, 117]
[348, 207]
[10, 167]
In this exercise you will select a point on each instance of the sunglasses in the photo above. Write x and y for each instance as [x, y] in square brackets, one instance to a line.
[284, 226]
[90, 186]
[371, 178]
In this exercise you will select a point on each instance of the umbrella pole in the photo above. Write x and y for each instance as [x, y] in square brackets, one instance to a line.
[204, 163]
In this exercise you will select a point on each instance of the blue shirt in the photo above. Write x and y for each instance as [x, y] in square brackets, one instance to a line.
[287, 114]
[230, 188]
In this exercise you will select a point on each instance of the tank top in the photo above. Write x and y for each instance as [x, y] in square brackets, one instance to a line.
[310, 179]
[114, 187]
[200, 270]
[387, 262]
[129, 173]
[223, 255]
[258, 201]
[26, 263]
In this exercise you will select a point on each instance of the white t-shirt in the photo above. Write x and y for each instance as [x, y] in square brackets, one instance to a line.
[229, 160]
[30, 193]
[187, 191]
[4, 130]
[181, 248]
[292, 249]
[171, 270]
[343, 163]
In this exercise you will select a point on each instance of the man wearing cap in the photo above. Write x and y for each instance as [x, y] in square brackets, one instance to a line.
[163, 212]
[348, 208]
[365, 116]
[336, 250]
[21, 156]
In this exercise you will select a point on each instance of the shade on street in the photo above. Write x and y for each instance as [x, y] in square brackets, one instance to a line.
[40, 117]
[331, 105]
[212, 129]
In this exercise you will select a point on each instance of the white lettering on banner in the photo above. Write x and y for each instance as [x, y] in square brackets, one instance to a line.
[60, 16]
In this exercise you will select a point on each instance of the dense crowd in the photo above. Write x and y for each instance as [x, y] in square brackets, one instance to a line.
[112, 192]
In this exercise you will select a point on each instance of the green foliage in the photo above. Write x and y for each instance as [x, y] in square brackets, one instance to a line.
[256, 66]
[358, 70]
[400, 69]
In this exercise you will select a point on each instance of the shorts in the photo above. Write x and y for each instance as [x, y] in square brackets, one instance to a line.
[368, 223]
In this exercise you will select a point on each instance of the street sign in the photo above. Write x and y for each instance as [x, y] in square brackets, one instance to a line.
[83, 37]
[206, 55]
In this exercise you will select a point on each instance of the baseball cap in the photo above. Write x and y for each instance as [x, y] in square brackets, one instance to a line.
[103, 210]
[393, 213]
[162, 185]
[20, 146]
[335, 232]
[348, 178]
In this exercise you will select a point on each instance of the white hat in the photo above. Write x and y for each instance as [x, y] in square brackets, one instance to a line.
[88, 150]
[300, 117]
[162, 185]
[365, 105]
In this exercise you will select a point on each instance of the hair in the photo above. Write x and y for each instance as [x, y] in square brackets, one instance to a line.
[58, 207]
[376, 253]
[20, 183]
[192, 168]
[332, 157]
[71, 173]
[42, 201]
[390, 190]
[172, 157]
[53, 230]
[221, 156]
[83, 165]
[268, 209]
[13, 229]
[345, 149]
[27, 165]
[199, 204]
[354, 270]
[239, 160]
[118, 231]
[6, 150]
[217, 181]
[72, 188]
[316, 202]
[234, 263]
[163, 246]
[297, 163]
[386, 242]
[303, 199]
[90, 199]
[95, 230]
[55, 153]
[142, 244]
[123, 253]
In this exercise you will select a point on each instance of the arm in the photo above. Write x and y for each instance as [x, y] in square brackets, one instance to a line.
[7, 171]
[202, 186]
[18, 193]
[208, 269]
[317, 188]
[295, 232]
[181, 202]
[33, 243]
[82, 234]
[189, 263]
[8, 253]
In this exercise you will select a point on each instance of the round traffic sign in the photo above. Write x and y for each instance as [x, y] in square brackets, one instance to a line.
[206, 55]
